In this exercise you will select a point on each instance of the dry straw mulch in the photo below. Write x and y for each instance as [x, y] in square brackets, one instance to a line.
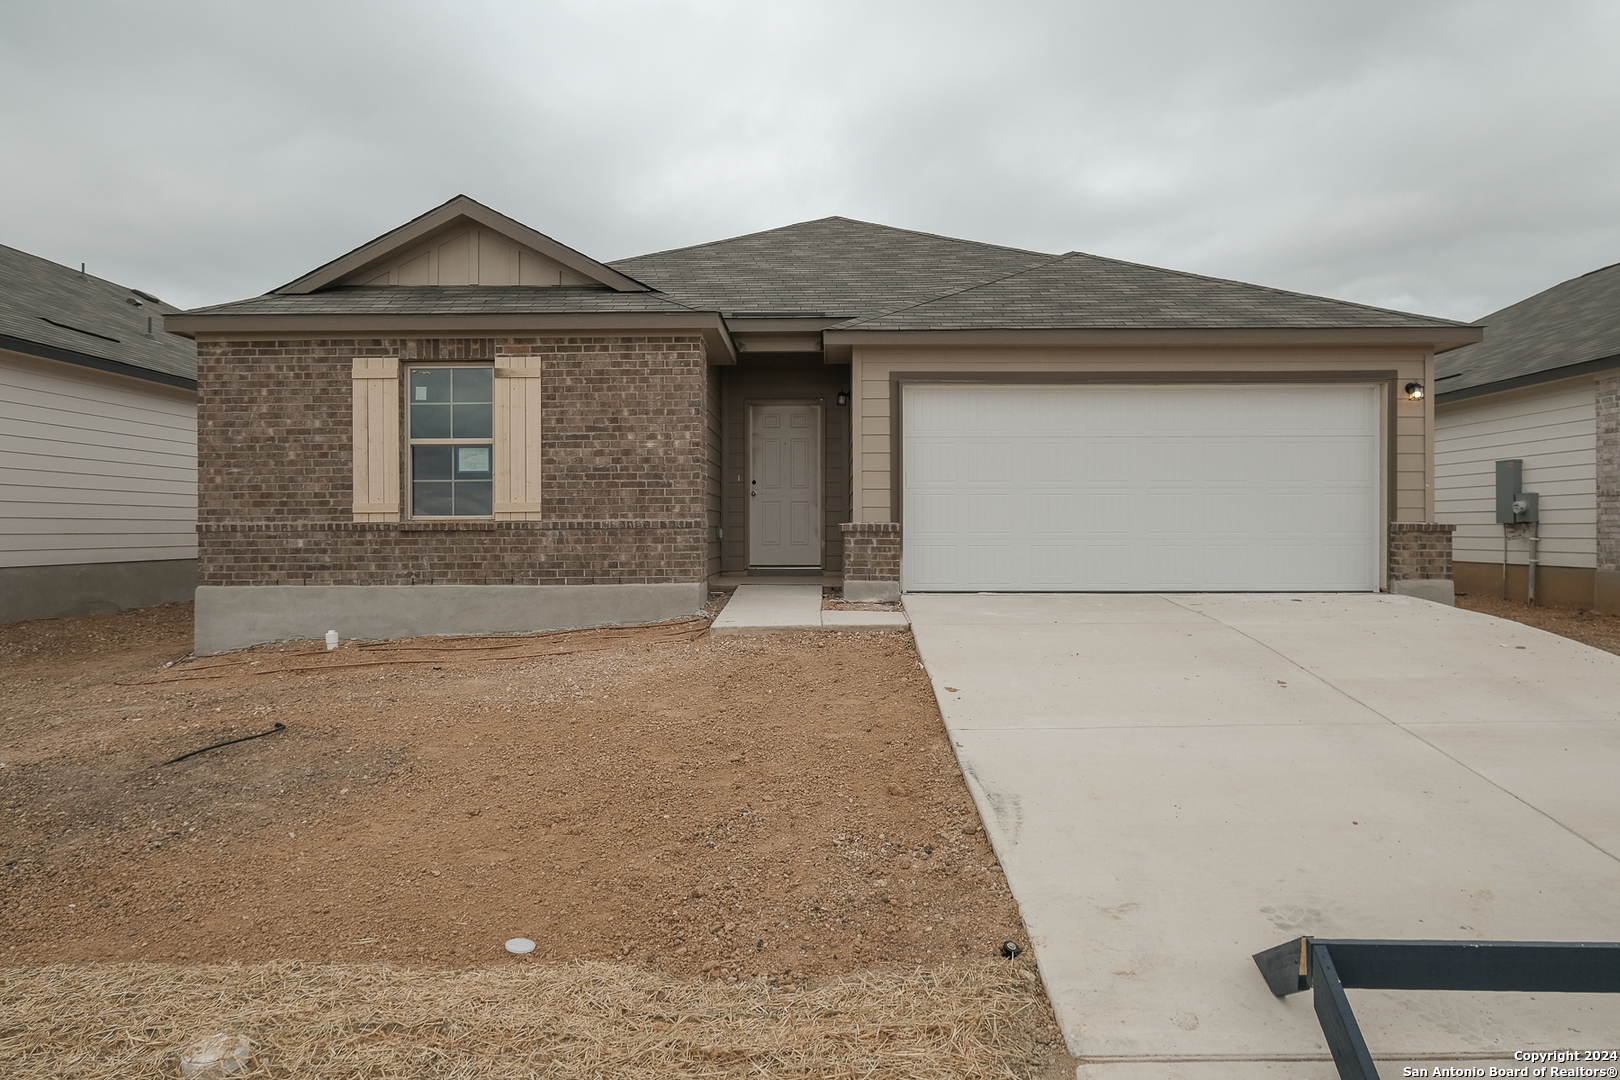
[339, 1022]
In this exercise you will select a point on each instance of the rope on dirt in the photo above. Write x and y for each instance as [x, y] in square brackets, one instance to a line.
[279, 727]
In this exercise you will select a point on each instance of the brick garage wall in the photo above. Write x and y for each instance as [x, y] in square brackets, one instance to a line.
[871, 551]
[1420, 551]
[1608, 474]
[623, 452]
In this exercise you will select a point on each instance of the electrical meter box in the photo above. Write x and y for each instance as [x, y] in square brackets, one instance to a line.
[1514, 505]
[1509, 482]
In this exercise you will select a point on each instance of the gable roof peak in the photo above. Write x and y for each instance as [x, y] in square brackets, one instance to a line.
[457, 212]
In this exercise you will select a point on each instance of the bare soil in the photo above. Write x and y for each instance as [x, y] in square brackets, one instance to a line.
[783, 808]
[1587, 627]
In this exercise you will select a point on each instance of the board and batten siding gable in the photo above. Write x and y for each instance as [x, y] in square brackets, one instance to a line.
[93, 468]
[1554, 431]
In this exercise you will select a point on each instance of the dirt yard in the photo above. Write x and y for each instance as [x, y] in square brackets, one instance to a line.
[776, 810]
[1587, 627]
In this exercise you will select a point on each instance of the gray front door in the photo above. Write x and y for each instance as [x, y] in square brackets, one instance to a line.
[784, 489]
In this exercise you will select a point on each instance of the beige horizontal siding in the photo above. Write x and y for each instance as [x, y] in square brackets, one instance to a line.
[93, 468]
[1554, 431]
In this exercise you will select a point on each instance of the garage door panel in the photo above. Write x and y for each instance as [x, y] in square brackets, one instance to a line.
[1123, 488]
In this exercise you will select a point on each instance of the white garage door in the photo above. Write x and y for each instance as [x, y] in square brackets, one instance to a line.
[1141, 488]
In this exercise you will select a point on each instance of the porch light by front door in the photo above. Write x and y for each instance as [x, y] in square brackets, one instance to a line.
[784, 489]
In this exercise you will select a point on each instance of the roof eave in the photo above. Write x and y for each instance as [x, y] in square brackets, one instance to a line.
[717, 341]
[1534, 378]
[839, 343]
[96, 363]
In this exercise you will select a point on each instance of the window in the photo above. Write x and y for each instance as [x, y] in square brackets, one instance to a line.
[452, 435]
[472, 439]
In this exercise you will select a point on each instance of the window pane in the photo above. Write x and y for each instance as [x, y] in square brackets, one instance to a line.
[430, 384]
[432, 499]
[474, 498]
[473, 422]
[472, 462]
[431, 421]
[431, 462]
[473, 384]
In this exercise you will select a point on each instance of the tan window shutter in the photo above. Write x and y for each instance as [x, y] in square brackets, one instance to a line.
[376, 438]
[517, 437]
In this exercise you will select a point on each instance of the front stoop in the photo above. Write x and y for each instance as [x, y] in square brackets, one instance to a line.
[773, 609]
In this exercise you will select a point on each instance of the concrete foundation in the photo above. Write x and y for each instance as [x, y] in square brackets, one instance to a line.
[1573, 587]
[871, 592]
[1441, 592]
[234, 617]
[67, 592]
[1606, 592]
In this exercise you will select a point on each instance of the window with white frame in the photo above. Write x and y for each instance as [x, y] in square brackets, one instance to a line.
[450, 415]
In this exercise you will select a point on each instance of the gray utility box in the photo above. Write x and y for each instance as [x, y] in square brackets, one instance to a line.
[1513, 504]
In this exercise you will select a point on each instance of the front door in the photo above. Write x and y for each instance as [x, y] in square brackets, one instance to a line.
[784, 489]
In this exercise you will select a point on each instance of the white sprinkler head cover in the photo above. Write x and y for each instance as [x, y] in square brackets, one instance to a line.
[520, 945]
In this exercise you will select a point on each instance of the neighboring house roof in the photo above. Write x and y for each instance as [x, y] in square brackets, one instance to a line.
[1570, 329]
[1080, 291]
[55, 312]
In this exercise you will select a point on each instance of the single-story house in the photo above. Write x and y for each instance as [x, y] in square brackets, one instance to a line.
[1543, 388]
[98, 446]
[465, 425]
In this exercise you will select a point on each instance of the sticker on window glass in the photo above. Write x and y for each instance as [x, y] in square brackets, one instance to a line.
[421, 393]
[472, 459]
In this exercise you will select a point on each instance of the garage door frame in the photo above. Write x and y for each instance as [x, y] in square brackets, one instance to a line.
[1387, 378]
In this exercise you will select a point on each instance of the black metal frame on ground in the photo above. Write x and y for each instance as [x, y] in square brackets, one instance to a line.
[1329, 967]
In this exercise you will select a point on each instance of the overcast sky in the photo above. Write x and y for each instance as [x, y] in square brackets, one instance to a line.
[1448, 158]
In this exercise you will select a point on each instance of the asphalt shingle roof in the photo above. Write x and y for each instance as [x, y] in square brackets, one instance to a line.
[1080, 291]
[833, 266]
[1577, 322]
[46, 304]
[448, 300]
[876, 277]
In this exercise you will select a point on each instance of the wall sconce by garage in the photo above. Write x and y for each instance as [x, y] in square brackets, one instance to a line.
[1414, 391]
[843, 397]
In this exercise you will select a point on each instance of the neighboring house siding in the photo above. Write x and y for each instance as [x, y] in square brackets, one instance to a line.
[94, 468]
[1554, 431]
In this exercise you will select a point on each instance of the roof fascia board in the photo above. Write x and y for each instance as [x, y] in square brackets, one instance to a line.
[96, 363]
[720, 346]
[840, 342]
[1535, 378]
[461, 207]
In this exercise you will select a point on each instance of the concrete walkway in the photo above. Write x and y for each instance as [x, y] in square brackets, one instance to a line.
[1173, 783]
[770, 609]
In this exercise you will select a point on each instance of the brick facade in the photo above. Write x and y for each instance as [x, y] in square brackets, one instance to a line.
[871, 551]
[624, 458]
[1608, 474]
[1420, 551]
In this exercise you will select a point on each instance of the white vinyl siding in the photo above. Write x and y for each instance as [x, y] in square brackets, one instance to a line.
[1133, 488]
[93, 468]
[1554, 431]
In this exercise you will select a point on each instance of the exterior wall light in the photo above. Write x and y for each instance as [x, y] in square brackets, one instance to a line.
[843, 397]
[1414, 391]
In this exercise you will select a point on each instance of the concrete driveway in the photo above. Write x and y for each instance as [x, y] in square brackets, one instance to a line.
[1176, 782]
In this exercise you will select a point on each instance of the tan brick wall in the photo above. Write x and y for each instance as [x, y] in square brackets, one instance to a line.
[871, 551]
[624, 451]
[1420, 551]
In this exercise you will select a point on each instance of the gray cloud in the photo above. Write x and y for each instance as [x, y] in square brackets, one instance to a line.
[1448, 158]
